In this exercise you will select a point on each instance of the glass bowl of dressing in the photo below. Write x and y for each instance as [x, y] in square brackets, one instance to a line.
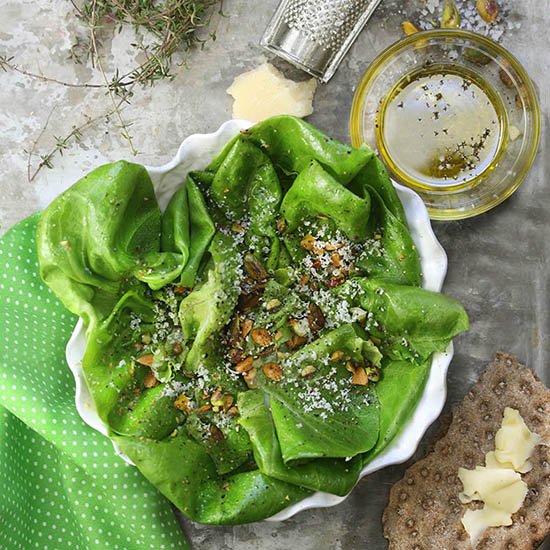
[453, 115]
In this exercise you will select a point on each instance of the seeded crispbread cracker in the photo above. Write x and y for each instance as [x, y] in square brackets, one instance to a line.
[424, 512]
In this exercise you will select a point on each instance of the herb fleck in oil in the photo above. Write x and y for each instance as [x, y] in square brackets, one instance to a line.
[441, 129]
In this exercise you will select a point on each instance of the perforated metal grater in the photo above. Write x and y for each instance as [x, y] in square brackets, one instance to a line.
[315, 35]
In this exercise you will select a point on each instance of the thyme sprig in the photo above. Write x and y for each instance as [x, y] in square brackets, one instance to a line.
[162, 29]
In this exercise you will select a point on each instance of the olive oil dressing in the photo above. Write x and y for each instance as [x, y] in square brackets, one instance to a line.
[441, 128]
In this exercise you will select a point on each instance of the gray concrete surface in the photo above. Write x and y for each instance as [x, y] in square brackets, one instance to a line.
[498, 262]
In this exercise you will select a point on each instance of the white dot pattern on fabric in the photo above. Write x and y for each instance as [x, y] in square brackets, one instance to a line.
[61, 484]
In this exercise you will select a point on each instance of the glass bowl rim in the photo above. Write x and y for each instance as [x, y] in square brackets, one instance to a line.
[532, 141]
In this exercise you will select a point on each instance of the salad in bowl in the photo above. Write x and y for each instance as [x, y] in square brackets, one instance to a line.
[263, 338]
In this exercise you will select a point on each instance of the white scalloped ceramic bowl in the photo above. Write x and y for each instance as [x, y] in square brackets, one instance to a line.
[195, 153]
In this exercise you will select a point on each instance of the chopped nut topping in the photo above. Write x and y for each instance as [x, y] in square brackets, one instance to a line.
[300, 327]
[178, 289]
[235, 355]
[273, 371]
[261, 336]
[281, 225]
[307, 371]
[246, 327]
[183, 403]
[177, 348]
[308, 242]
[409, 28]
[488, 9]
[296, 341]
[315, 318]
[204, 408]
[146, 360]
[360, 377]
[228, 401]
[254, 268]
[278, 335]
[215, 433]
[250, 378]
[272, 304]
[150, 381]
[217, 398]
[233, 411]
[238, 228]
[337, 355]
[245, 365]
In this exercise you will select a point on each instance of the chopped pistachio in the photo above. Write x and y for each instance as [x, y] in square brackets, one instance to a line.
[250, 378]
[409, 28]
[146, 360]
[300, 327]
[183, 403]
[245, 365]
[254, 267]
[360, 377]
[261, 336]
[450, 19]
[273, 371]
[488, 9]
[306, 371]
[308, 242]
[272, 304]
[150, 381]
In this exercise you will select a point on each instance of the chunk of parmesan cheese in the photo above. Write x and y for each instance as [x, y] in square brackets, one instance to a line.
[264, 92]
[498, 484]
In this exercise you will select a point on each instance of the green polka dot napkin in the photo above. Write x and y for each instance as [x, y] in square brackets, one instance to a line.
[61, 484]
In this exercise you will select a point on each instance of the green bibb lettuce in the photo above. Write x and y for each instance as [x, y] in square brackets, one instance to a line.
[264, 337]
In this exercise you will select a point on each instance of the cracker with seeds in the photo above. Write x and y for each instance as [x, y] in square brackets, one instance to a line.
[424, 512]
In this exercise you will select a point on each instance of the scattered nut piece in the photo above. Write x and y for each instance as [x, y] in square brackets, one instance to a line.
[272, 304]
[409, 28]
[146, 338]
[183, 403]
[360, 377]
[337, 355]
[233, 411]
[206, 407]
[217, 398]
[146, 360]
[281, 225]
[238, 228]
[273, 371]
[308, 242]
[488, 9]
[307, 371]
[250, 378]
[315, 318]
[245, 365]
[215, 433]
[228, 401]
[235, 355]
[261, 336]
[300, 327]
[296, 341]
[450, 19]
[246, 327]
[254, 267]
[177, 348]
[150, 380]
